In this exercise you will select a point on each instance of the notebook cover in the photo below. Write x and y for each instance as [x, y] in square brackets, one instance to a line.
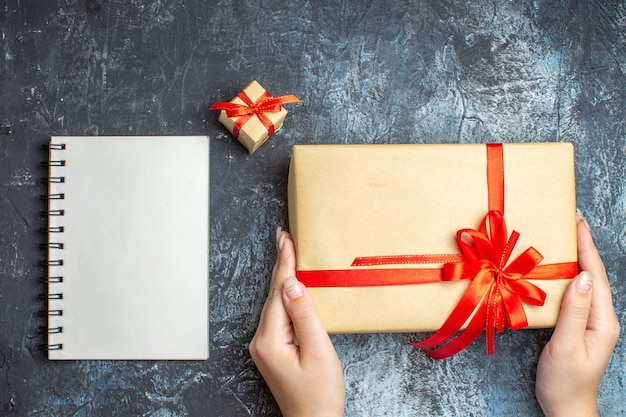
[131, 278]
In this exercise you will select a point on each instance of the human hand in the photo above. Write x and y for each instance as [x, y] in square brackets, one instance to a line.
[291, 348]
[572, 363]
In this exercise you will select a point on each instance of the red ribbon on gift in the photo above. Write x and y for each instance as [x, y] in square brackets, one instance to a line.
[265, 103]
[494, 299]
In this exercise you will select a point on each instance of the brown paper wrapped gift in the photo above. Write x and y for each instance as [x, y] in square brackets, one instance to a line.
[351, 201]
[264, 115]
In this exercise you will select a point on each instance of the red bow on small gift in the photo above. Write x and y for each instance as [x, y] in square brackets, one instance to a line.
[265, 103]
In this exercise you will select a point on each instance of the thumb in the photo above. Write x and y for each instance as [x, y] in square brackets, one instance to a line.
[571, 324]
[307, 324]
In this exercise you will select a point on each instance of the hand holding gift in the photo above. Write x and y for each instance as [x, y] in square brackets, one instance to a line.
[573, 362]
[306, 379]
[291, 348]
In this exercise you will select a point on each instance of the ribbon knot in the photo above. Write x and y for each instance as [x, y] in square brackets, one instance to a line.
[493, 301]
[265, 103]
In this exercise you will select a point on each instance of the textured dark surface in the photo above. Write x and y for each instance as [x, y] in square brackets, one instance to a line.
[367, 72]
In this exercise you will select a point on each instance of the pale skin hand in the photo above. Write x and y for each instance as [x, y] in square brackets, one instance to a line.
[574, 360]
[305, 377]
[307, 380]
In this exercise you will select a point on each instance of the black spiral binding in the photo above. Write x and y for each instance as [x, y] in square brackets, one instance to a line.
[49, 231]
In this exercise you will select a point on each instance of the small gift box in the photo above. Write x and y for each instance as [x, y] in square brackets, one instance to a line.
[454, 238]
[253, 115]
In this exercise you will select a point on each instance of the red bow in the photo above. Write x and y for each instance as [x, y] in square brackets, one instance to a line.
[265, 103]
[498, 289]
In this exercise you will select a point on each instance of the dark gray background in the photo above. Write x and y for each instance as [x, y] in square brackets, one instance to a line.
[367, 72]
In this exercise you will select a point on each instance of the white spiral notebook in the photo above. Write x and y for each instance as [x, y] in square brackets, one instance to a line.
[128, 247]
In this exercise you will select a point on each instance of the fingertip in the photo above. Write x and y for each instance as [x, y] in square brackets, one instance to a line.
[578, 292]
[279, 233]
[286, 249]
[285, 264]
[281, 237]
[293, 288]
[583, 233]
[286, 259]
[307, 323]
[588, 256]
[580, 219]
[584, 282]
[575, 309]
[281, 240]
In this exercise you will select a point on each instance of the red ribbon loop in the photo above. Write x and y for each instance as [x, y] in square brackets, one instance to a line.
[264, 104]
[498, 289]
